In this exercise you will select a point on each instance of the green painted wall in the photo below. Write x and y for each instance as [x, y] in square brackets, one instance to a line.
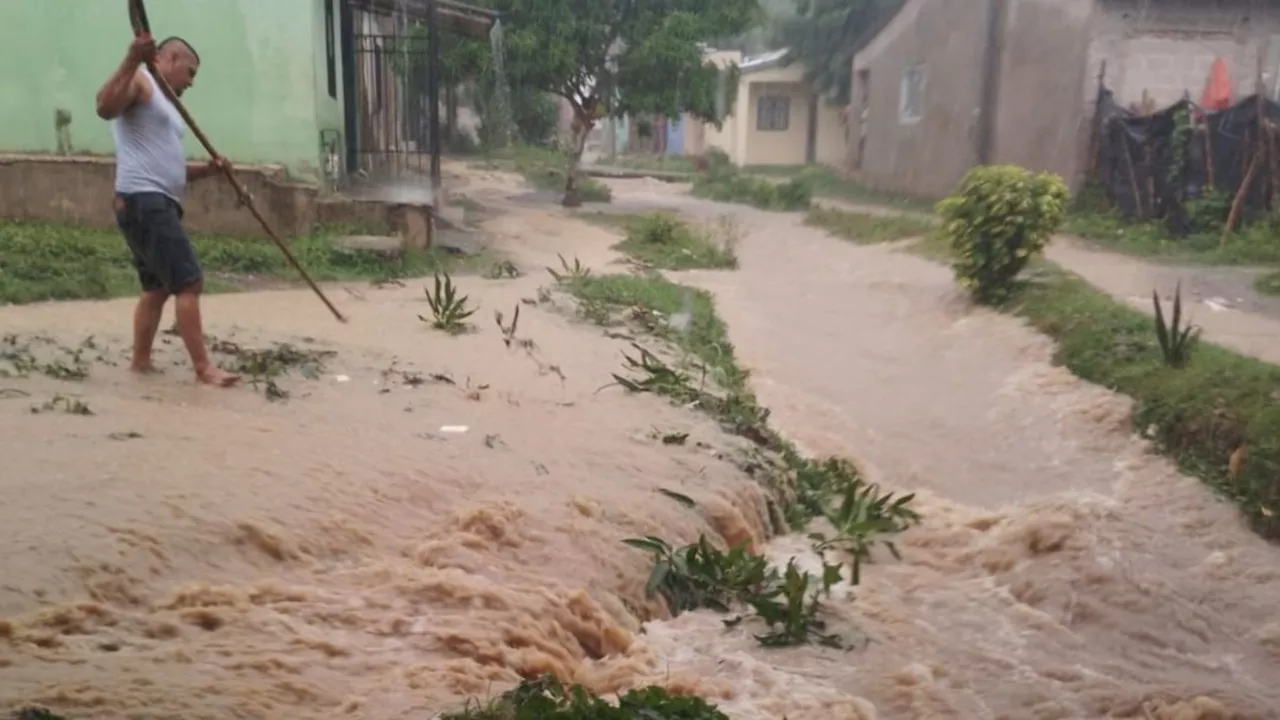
[261, 95]
[328, 113]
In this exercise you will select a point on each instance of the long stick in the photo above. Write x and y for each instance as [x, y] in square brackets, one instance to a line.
[138, 18]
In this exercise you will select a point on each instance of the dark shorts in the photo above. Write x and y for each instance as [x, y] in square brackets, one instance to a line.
[162, 253]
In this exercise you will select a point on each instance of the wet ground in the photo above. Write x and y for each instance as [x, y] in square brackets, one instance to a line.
[343, 552]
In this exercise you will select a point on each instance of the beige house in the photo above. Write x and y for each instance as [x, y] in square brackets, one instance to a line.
[777, 120]
[946, 85]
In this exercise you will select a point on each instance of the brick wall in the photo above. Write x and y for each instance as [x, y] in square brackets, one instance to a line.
[1165, 48]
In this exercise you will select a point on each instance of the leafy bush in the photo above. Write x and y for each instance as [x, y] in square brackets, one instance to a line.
[718, 161]
[536, 115]
[998, 219]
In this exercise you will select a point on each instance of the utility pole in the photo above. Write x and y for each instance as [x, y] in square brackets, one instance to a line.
[433, 95]
[989, 101]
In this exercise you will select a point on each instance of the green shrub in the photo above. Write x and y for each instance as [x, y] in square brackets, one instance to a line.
[536, 115]
[998, 219]
[665, 241]
[727, 184]
[548, 169]
[718, 161]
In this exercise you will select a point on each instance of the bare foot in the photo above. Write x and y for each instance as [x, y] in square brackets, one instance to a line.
[217, 377]
[145, 368]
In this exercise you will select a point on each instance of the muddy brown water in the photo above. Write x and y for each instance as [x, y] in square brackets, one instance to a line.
[185, 552]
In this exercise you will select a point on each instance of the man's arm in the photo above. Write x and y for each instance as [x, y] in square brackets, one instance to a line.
[200, 171]
[126, 85]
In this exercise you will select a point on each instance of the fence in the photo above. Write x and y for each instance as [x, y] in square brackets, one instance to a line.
[391, 102]
[1185, 166]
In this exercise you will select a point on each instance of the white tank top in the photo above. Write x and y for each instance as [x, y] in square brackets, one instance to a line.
[149, 155]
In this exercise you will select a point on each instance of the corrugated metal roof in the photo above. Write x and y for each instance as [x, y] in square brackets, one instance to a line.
[772, 59]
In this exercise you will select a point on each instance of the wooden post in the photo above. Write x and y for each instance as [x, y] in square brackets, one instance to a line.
[1259, 154]
[1095, 136]
[1133, 180]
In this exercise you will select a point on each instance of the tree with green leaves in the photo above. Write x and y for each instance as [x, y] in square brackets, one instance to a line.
[620, 57]
[825, 34]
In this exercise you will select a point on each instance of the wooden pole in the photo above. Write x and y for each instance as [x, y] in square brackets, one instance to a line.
[1133, 180]
[1236, 204]
[1095, 136]
[138, 18]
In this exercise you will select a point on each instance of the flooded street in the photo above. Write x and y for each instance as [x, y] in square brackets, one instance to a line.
[188, 553]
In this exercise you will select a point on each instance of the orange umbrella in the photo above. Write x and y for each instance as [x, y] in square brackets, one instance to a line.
[1217, 90]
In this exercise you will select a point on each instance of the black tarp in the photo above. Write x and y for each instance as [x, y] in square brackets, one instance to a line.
[1135, 157]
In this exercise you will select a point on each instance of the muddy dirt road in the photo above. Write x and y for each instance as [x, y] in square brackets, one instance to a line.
[189, 553]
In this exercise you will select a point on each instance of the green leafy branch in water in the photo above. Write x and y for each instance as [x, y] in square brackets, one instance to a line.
[264, 366]
[863, 517]
[700, 575]
[17, 359]
[545, 698]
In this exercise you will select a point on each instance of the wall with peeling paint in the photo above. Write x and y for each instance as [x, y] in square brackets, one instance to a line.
[261, 95]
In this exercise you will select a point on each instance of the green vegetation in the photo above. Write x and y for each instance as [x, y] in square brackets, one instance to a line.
[1268, 284]
[825, 34]
[449, 311]
[999, 218]
[49, 262]
[644, 60]
[1253, 244]
[725, 183]
[1218, 415]
[867, 229]
[827, 184]
[1176, 340]
[547, 699]
[663, 240]
[1214, 411]
[545, 169]
[700, 574]
[657, 163]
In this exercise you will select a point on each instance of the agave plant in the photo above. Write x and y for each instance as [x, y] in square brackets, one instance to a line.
[1176, 340]
[449, 312]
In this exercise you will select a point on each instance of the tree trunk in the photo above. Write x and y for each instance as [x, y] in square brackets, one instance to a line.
[572, 195]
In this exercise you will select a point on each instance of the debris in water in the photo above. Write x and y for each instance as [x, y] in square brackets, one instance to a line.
[70, 406]
[263, 366]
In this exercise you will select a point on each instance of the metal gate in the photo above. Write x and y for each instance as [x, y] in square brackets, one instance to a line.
[391, 107]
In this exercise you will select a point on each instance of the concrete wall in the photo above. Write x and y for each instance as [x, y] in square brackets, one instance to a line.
[1042, 122]
[1166, 47]
[746, 144]
[926, 157]
[256, 96]
[777, 147]
[77, 191]
[833, 135]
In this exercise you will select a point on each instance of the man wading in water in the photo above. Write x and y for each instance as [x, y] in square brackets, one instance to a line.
[151, 178]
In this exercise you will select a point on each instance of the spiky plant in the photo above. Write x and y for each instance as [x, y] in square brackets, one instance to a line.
[449, 311]
[1176, 340]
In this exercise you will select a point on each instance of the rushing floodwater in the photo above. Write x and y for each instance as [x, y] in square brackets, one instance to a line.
[186, 553]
